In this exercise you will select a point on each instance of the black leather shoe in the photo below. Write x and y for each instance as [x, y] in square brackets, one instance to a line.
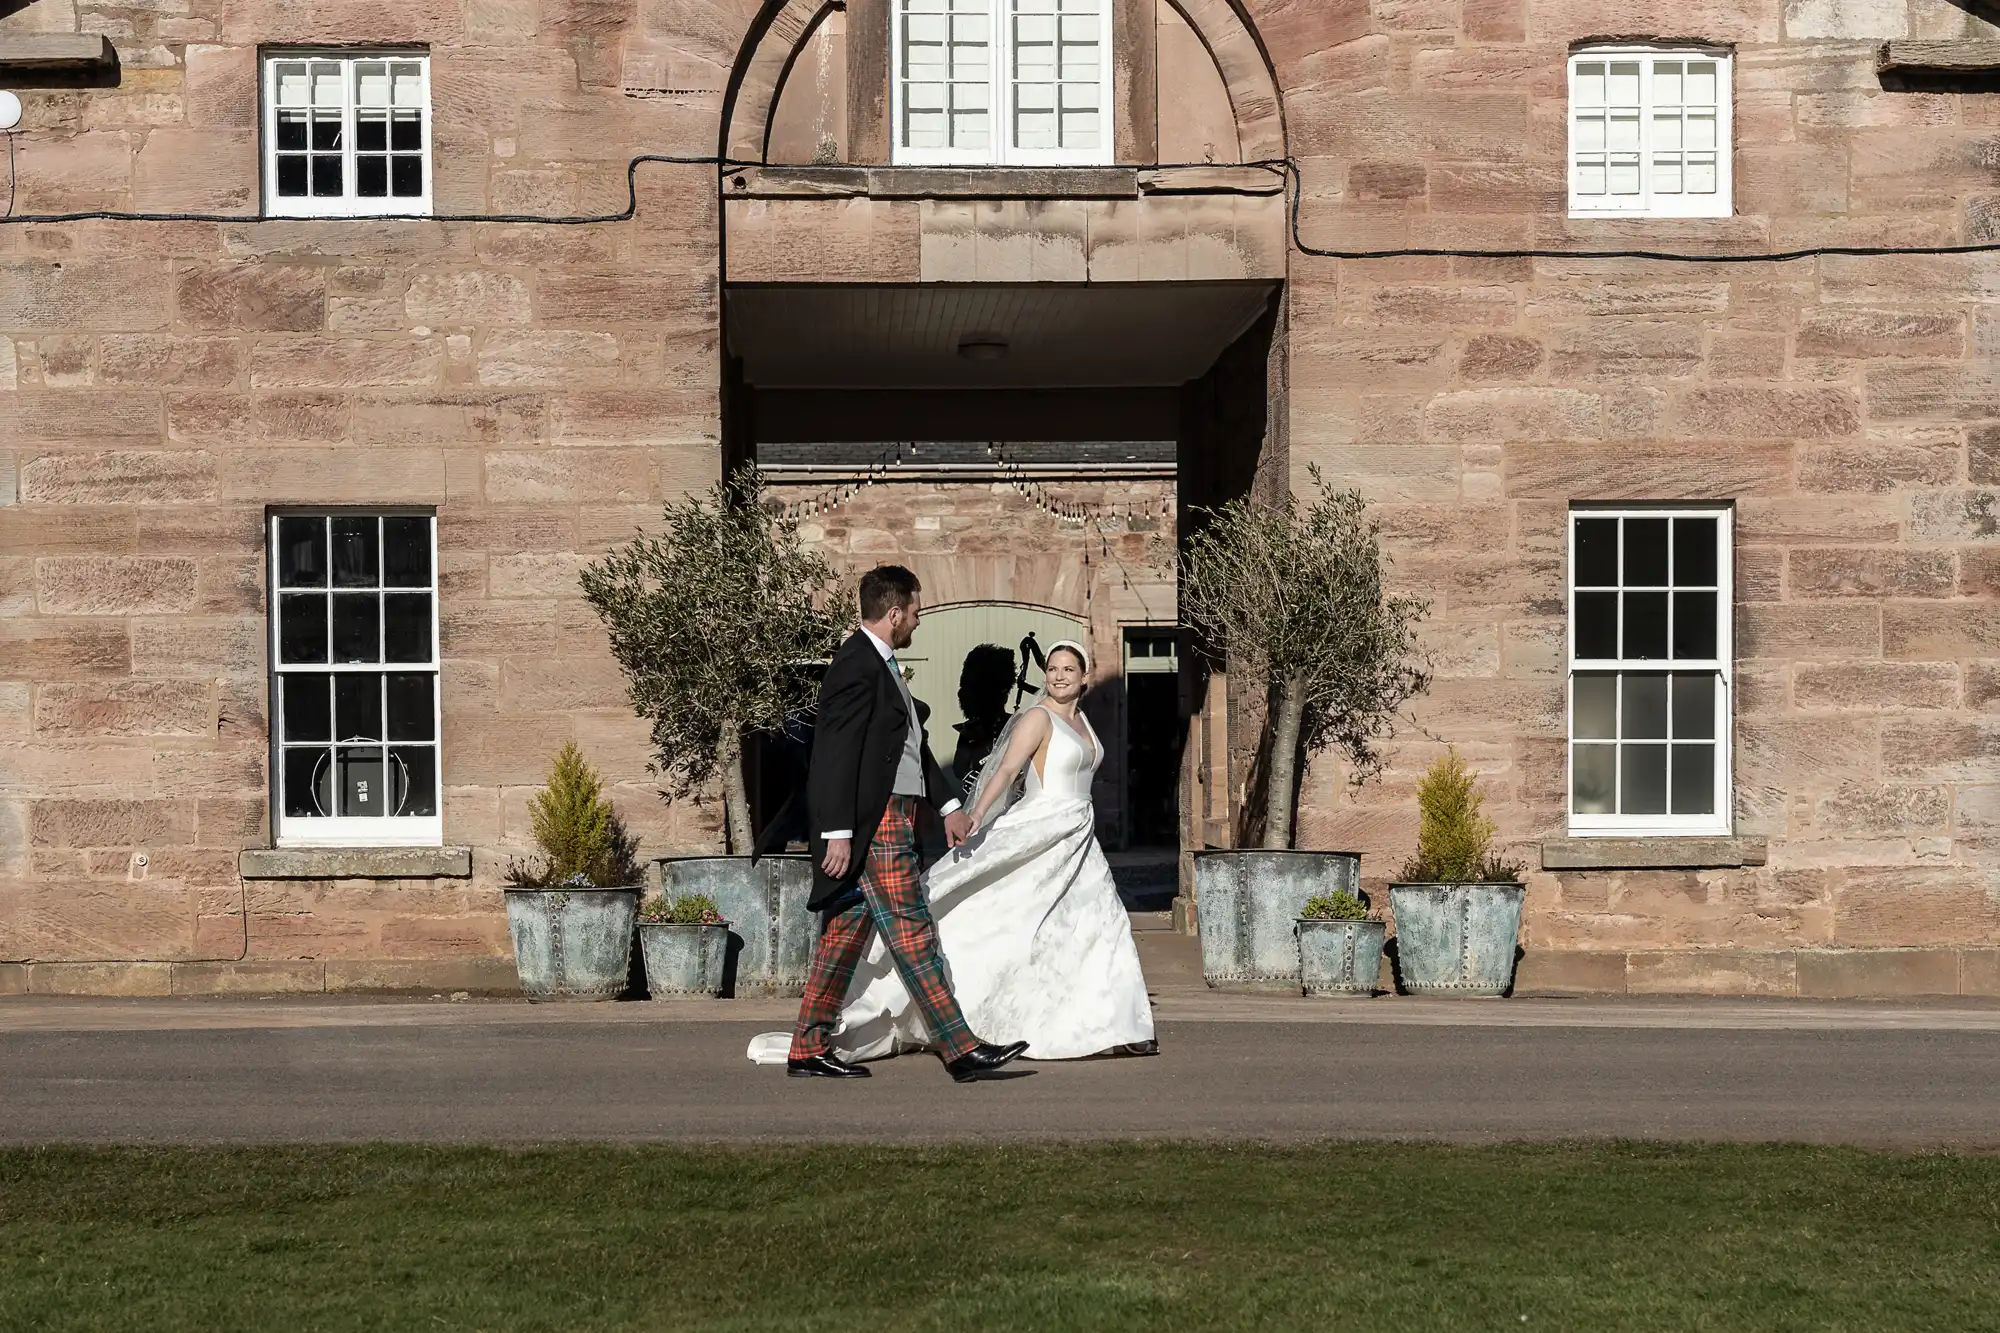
[824, 1066]
[982, 1060]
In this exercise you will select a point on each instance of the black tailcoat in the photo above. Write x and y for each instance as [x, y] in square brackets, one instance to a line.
[857, 745]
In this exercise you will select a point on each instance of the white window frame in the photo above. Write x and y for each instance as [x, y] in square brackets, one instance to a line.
[351, 830]
[348, 204]
[1000, 102]
[1646, 203]
[1721, 821]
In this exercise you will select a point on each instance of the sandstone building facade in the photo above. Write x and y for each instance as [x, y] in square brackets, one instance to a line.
[336, 335]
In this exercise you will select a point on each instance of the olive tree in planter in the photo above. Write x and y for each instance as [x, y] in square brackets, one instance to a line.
[711, 619]
[1295, 596]
[1457, 905]
[570, 910]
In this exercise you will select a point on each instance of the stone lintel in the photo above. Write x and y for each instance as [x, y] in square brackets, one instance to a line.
[1976, 54]
[1654, 853]
[810, 182]
[355, 863]
[1222, 178]
[55, 50]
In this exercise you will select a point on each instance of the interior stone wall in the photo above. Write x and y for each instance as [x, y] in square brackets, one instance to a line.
[986, 541]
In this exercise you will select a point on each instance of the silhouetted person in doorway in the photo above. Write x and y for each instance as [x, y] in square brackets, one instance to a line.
[983, 683]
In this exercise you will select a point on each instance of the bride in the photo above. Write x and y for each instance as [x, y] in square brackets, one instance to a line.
[1037, 943]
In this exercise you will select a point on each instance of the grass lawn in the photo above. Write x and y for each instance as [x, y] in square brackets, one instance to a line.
[1183, 1236]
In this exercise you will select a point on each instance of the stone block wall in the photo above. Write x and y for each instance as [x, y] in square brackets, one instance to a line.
[544, 387]
[161, 383]
[1843, 404]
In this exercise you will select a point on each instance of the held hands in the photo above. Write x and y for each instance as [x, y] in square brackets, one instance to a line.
[839, 851]
[958, 827]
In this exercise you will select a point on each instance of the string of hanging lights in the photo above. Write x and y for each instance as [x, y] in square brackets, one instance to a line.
[1012, 473]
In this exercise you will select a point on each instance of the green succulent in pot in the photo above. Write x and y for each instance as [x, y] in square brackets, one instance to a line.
[1336, 906]
[691, 909]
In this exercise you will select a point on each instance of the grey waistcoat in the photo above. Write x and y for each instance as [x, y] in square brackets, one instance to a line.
[910, 769]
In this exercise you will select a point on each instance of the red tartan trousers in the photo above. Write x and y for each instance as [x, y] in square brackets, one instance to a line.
[892, 902]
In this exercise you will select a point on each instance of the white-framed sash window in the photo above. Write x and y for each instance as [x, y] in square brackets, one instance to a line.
[1006, 82]
[1649, 132]
[347, 133]
[354, 679]
[1649, 670]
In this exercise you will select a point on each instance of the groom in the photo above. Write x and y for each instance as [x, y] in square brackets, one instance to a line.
[871, 764]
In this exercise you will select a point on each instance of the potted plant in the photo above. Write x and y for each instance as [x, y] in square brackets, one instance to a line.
[1458, 906]
[683, 941]
[1340, 948]
[570, 911]
[1295, 597]
[711, 620]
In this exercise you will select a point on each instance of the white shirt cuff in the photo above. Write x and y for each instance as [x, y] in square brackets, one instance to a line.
[948, 807]
[842, 833]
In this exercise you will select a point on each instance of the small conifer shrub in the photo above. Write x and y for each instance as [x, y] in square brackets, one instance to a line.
[582, 841]
[1454, 839]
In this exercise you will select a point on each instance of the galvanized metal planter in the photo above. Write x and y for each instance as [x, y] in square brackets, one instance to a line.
[572, 943]
[1340, 957]
[764, 901]
[1247, 905]
[1456, 939]
[682, 959]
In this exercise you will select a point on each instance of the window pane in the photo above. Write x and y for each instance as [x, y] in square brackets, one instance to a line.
[308, 783]
[371, 177]
[412, 708]
[1645, 625]
[412, 780]
[406, 177]
[1588, 89]
[1595, 707]
[1643, 773]
[1694, 624]
[326, 177]
[326, 87]
[1589, 134]
[406, 133]
[325, 134]
[1590, 178]
[1597, 625]
[307, 707]
[1643, 711]
[1694, 552]
[359, 773]
[1623, 175]
[356, 556]
[371, 134]
[1645, 553]
[302, 627]
[1700, 83]
[1594, 779]
[356, 628]
[406, 626]
[301, 553]
[1694, 780]
[292, 137]
[1597, 553]
[357, 706]
[406, 552]
[292, 177]
[1694, 706]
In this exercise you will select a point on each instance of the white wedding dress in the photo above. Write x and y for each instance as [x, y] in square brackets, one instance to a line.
[1037, 944]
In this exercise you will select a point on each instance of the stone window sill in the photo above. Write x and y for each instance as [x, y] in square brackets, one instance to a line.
[355, 863]
[1655, 853]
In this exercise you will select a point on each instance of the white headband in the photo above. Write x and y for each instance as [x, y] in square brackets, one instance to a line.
[1074, 647]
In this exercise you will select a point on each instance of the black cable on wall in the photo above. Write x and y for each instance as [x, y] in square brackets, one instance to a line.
[1285, 167]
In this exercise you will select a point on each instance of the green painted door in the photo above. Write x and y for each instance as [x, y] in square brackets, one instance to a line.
[963, 645]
